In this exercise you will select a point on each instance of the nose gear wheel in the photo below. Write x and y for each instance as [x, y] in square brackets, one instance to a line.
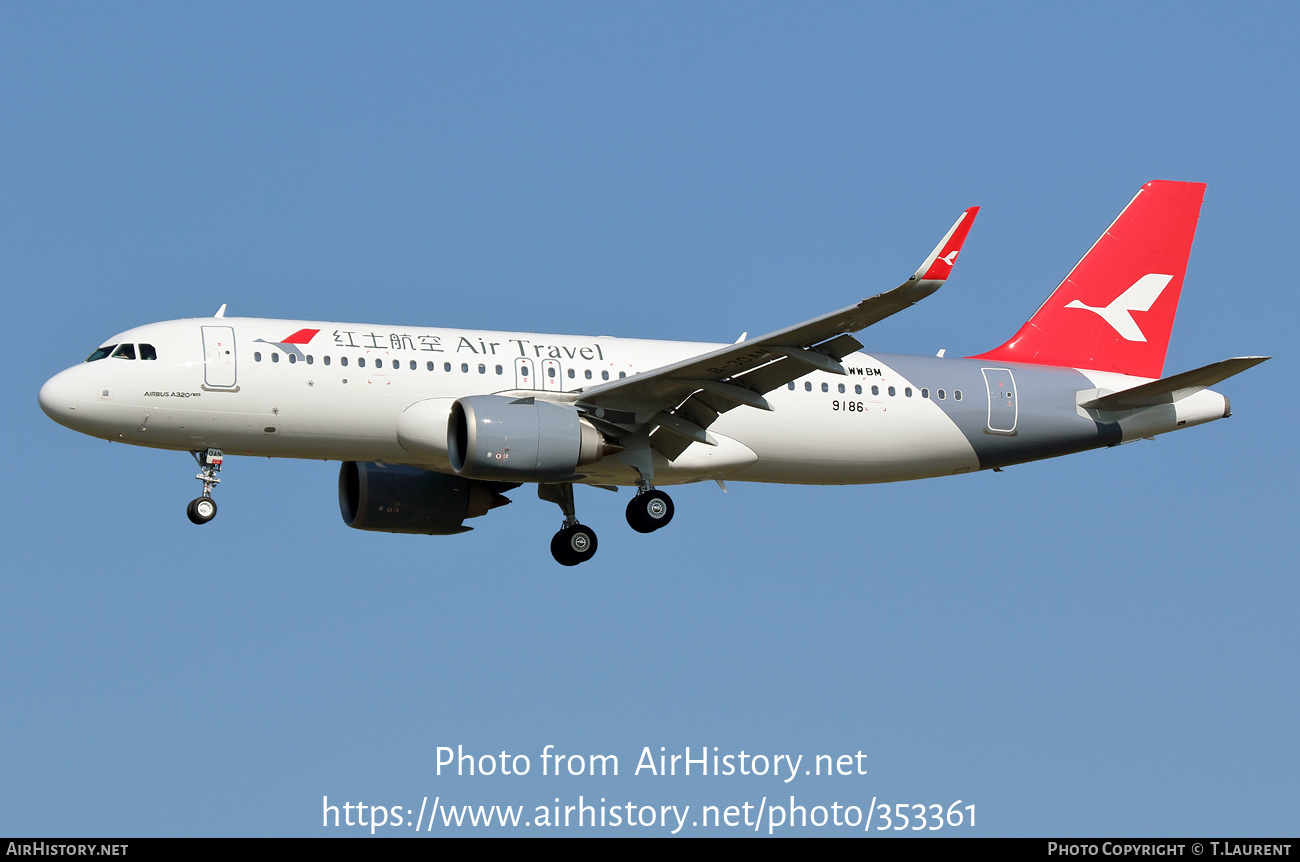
[203, 509]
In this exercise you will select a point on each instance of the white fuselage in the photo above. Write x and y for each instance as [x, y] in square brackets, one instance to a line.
[339, 397]
[311, 389]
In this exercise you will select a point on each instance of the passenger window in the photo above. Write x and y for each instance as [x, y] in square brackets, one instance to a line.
[429, 365]
[482, 369]
[604, 375]
[327, 360]
[147, 352]
[446, 366]
[807, 386]
[956, 393]
[414, 366]
[309, 359]
[343, 360]
[292, 359]
[875, 390]
[908, 391]
[379, 363]
[257, 357]
[587, 374]
[571, 373]
[126, 351]
[275, 357]
[790, 386]
[857, 390]
[891, 392]
[942, 395]
[925, 393]
[622, 374]
[501, 371]
[361, 362]
[464, 368]
[100, 353]
[841, 388]
[826, 387]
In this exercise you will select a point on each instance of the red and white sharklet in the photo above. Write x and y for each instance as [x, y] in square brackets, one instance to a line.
[1115, 310]
[940, 263]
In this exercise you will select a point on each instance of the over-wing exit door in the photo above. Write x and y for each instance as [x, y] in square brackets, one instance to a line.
[552, 379]
[524, 377]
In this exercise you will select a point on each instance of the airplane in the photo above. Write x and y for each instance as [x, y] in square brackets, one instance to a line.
[434, 426]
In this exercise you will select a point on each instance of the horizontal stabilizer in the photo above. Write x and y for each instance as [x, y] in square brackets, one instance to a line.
[1175, 388]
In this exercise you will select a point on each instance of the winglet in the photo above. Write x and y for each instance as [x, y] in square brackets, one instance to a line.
[939, 264]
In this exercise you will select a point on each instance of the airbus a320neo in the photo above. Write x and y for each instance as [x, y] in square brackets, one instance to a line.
[434, 425]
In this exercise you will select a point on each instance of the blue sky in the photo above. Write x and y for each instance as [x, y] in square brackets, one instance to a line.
[1100, 644]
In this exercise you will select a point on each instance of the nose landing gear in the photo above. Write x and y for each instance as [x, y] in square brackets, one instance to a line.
[203, 509]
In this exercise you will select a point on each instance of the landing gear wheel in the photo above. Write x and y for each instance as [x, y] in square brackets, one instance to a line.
[649, 511]
[573, 545]
[201, 510]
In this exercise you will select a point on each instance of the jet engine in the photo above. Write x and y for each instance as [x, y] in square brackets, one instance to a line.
[520, 439]
[394, 498]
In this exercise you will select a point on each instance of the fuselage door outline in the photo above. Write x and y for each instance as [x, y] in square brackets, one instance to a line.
[219, 368]
[1004, 406]
[552, 380]
[524, 376]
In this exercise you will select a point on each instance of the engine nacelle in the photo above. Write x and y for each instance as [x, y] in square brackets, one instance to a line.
[520, 439]
[422, 430]
[394, 498]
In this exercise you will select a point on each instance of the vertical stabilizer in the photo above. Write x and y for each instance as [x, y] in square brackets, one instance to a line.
[1115, 310]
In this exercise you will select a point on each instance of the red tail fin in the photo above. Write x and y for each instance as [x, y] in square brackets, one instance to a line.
[1115, 310]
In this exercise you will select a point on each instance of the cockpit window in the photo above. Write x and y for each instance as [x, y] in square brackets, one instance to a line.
[147, 352]
[101, 353]
[126, 351]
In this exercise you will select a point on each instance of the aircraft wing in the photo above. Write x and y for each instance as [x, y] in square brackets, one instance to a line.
[677, 402]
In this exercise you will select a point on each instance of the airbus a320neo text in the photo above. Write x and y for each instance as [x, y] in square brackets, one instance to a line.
[434, 426]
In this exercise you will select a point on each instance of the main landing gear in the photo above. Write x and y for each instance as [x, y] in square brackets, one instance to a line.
[649, 510]
[203, 509]
[574, 543]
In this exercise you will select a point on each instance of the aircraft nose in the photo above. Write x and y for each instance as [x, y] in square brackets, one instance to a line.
[59, 397]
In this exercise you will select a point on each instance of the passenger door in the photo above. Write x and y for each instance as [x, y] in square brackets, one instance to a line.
[219, 357]
[1004, 408]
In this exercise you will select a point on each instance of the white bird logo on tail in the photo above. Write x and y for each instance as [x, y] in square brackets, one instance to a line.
[1140, 297]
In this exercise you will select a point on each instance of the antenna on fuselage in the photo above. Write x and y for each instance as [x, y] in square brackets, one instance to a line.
[221, 312]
